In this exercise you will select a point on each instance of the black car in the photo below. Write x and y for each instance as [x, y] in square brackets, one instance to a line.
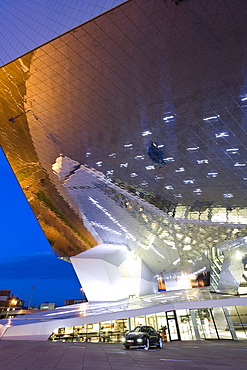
[143, 336]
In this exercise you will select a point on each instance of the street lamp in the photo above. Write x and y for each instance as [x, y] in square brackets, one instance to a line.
[12, 302]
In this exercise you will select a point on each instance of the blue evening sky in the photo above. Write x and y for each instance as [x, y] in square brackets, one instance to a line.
[26, 258]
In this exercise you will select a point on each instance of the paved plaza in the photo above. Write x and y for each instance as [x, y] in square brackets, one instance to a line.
[33, 355]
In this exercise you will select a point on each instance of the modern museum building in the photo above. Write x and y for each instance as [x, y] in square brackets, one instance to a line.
[128, 136]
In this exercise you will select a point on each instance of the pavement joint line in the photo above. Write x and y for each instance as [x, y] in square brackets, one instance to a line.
[173, 359]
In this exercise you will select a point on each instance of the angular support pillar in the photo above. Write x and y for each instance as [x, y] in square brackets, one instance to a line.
[111, 272]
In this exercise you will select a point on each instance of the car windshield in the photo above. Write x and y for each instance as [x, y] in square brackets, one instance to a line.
[141, 329]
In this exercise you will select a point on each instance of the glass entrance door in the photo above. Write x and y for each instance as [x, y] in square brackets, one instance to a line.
[172, 326]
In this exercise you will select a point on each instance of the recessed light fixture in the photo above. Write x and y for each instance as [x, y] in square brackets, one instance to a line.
[201, 161]
[193, 148]
[228, 195]
[221, 134]
[180, 169]
[124, 164]
[133, 174]
[146, 133]
[212, 174]
[210, 118]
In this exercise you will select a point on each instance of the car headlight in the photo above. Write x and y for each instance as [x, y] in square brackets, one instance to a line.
[123, 339]
[139, 340]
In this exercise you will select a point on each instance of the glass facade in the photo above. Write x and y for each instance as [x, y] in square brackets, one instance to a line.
[197, 324]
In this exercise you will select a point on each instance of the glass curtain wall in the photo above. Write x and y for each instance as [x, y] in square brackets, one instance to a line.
[197, 324]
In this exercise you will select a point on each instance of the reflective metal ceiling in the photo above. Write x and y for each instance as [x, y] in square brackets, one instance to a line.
[143, 72]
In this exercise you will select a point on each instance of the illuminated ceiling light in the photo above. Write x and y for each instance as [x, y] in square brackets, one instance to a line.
[212, 117]
[128, 145]
[167, 118]
[146, 133]
[244, 98]
[140, 157]
[124, 164]
[150, 168]
[245, 178]
[187, 248]
[238, 256]
[176, 262]
[160, 146]
[99, 164]
[189, 181]
[159, 177]
[221, 134]
[178, 195]
[180, 169]
[228, 195]
[232, 150]
[144, 183]
[133, 174]
[212, 174]
[110, 172]
[113, 155]
[103, 227]
[169, 187]
[237, 164]
[169, 159]
[201, 161]
[88, 154]
[197, 191]
[193, 148]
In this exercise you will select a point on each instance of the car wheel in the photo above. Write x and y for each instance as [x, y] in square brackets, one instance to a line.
[147, 344]
[160, 344]
[127, 346]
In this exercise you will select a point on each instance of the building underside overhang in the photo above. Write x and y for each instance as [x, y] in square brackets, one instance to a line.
[130, 130]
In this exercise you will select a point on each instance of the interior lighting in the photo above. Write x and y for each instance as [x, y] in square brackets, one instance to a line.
[232, 150]
[178, 195]
[113, 155]
[180, 169]
[159, 177]
[212, 117]
[213, 174]
[99, 164]
[160, 146]
[176, 262]
[150, 168]
[221, 134]
[133, 174]
[243, 99]
[128, 145]
[146, 133]
[139, 157]
[124, 164]
[202, 161]
[109, 172]
[88, 154]
[144, 183]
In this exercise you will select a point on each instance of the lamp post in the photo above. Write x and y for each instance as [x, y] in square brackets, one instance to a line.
[12, 302]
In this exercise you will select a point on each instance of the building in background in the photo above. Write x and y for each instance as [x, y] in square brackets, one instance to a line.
[133, 158]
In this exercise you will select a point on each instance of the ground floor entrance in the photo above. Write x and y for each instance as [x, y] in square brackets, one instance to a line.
[185, 324]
